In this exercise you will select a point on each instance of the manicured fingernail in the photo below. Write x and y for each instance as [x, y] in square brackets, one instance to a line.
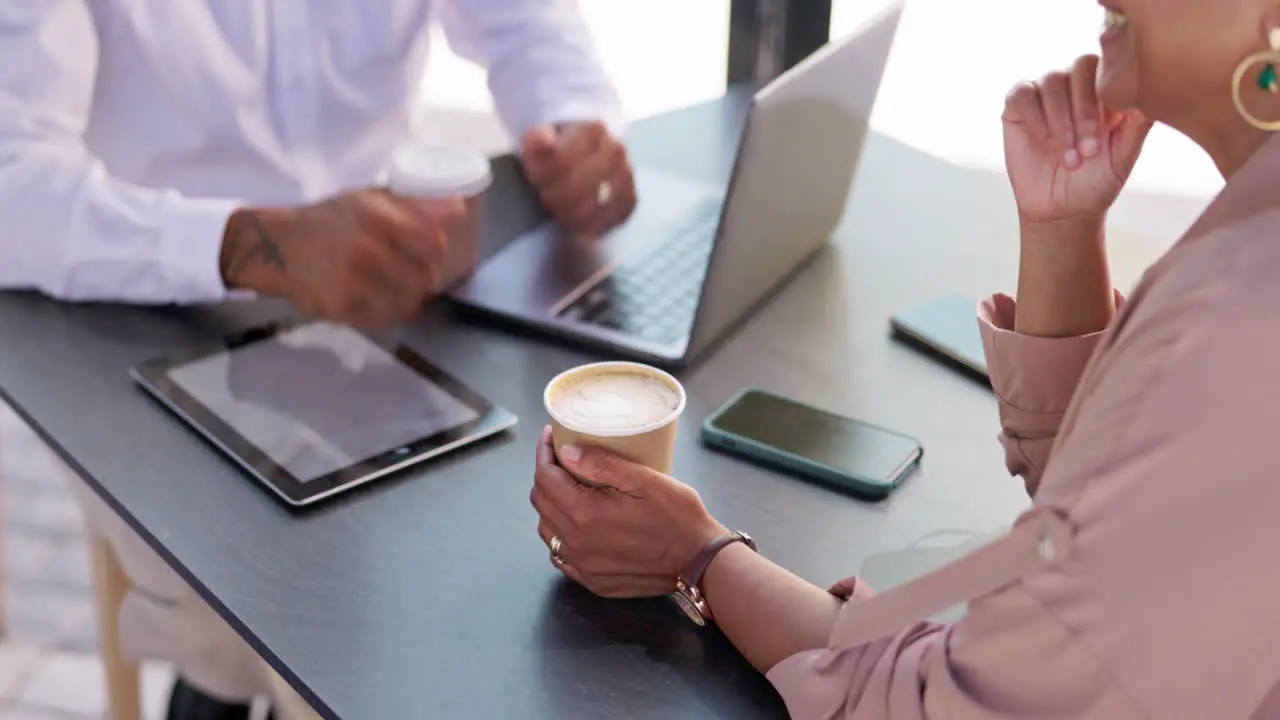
[1089, 147]
[1072, 159]
[570, 454]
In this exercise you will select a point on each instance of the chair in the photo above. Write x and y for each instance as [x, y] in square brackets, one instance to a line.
[109, 587]
[3, 609]
[286, 702]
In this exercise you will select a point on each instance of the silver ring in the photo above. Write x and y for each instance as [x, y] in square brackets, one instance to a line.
[604, 193]
[556, 545]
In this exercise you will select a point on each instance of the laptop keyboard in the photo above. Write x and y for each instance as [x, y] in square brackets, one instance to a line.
[654, 296]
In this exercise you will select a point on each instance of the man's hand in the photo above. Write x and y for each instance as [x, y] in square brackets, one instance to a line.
[363, 258]
[582, 174]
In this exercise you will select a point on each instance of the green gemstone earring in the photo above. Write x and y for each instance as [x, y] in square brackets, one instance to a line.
[1268, 79]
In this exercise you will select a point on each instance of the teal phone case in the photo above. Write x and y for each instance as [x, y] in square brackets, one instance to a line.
[790, 463]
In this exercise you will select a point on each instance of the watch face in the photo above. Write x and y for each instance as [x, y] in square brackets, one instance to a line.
[690, 609]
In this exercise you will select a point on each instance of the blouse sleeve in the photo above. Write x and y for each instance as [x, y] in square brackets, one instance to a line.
[1034, 379]
[1008, 658]
[1157, 601]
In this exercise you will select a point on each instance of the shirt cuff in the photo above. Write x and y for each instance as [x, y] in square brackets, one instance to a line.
[852, 590]
[586, 110]
[791, 674]
[1034, 377]
[193, 232]
[809, 682]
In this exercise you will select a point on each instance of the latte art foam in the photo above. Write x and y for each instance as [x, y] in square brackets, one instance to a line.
[613, 401]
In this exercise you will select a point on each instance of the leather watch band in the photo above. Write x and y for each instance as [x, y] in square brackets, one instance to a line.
[697, 566]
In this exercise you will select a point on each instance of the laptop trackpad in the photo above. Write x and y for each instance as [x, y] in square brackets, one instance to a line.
[541, 267]
[536, 270]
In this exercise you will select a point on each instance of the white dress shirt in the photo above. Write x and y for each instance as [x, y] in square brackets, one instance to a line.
[131, 129]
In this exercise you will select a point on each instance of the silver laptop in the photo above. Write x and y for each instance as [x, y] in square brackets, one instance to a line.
[694, 260]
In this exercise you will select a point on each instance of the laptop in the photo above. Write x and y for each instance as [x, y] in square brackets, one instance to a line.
[694, 260]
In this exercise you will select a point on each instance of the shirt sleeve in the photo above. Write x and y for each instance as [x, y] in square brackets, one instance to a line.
[1034, 379]
[71, 230]
[1162, 607]
[543, 65]
[1009, 657]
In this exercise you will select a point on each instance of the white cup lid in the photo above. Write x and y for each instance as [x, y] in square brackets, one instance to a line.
[438, 171]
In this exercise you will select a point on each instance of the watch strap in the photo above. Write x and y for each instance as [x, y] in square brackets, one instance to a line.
[697, 566]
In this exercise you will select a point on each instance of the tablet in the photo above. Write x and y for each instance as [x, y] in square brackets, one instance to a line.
[311, 408]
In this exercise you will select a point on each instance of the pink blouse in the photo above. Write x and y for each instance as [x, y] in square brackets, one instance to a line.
[1137, 586]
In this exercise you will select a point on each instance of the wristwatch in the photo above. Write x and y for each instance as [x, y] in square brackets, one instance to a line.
[688, 593]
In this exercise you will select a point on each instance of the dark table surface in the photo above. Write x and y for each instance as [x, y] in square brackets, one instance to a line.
[430, 594]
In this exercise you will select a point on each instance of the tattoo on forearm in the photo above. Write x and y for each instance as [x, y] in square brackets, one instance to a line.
[255, 245]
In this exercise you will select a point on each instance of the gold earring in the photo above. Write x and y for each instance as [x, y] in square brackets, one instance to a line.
[1267, 80]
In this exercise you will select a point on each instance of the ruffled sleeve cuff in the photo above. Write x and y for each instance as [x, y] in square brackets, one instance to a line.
[1033, 377]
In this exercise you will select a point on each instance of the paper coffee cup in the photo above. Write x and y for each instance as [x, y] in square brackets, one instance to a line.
[445, 175]
[630, 409]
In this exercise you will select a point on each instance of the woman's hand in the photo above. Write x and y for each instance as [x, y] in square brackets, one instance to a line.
[629, 539]
[1067, 156]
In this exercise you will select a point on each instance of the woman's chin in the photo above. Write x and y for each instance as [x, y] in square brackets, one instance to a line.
[1117, 89]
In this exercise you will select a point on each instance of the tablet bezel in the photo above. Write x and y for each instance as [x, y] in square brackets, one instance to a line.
[153, 376]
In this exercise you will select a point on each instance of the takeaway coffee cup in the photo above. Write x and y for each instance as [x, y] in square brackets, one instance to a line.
[628, 408]
[450, 180]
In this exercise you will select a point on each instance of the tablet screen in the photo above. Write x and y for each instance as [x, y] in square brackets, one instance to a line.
[317, 398]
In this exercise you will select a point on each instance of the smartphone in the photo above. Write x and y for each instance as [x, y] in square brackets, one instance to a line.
[947, 330]
[846, 454]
